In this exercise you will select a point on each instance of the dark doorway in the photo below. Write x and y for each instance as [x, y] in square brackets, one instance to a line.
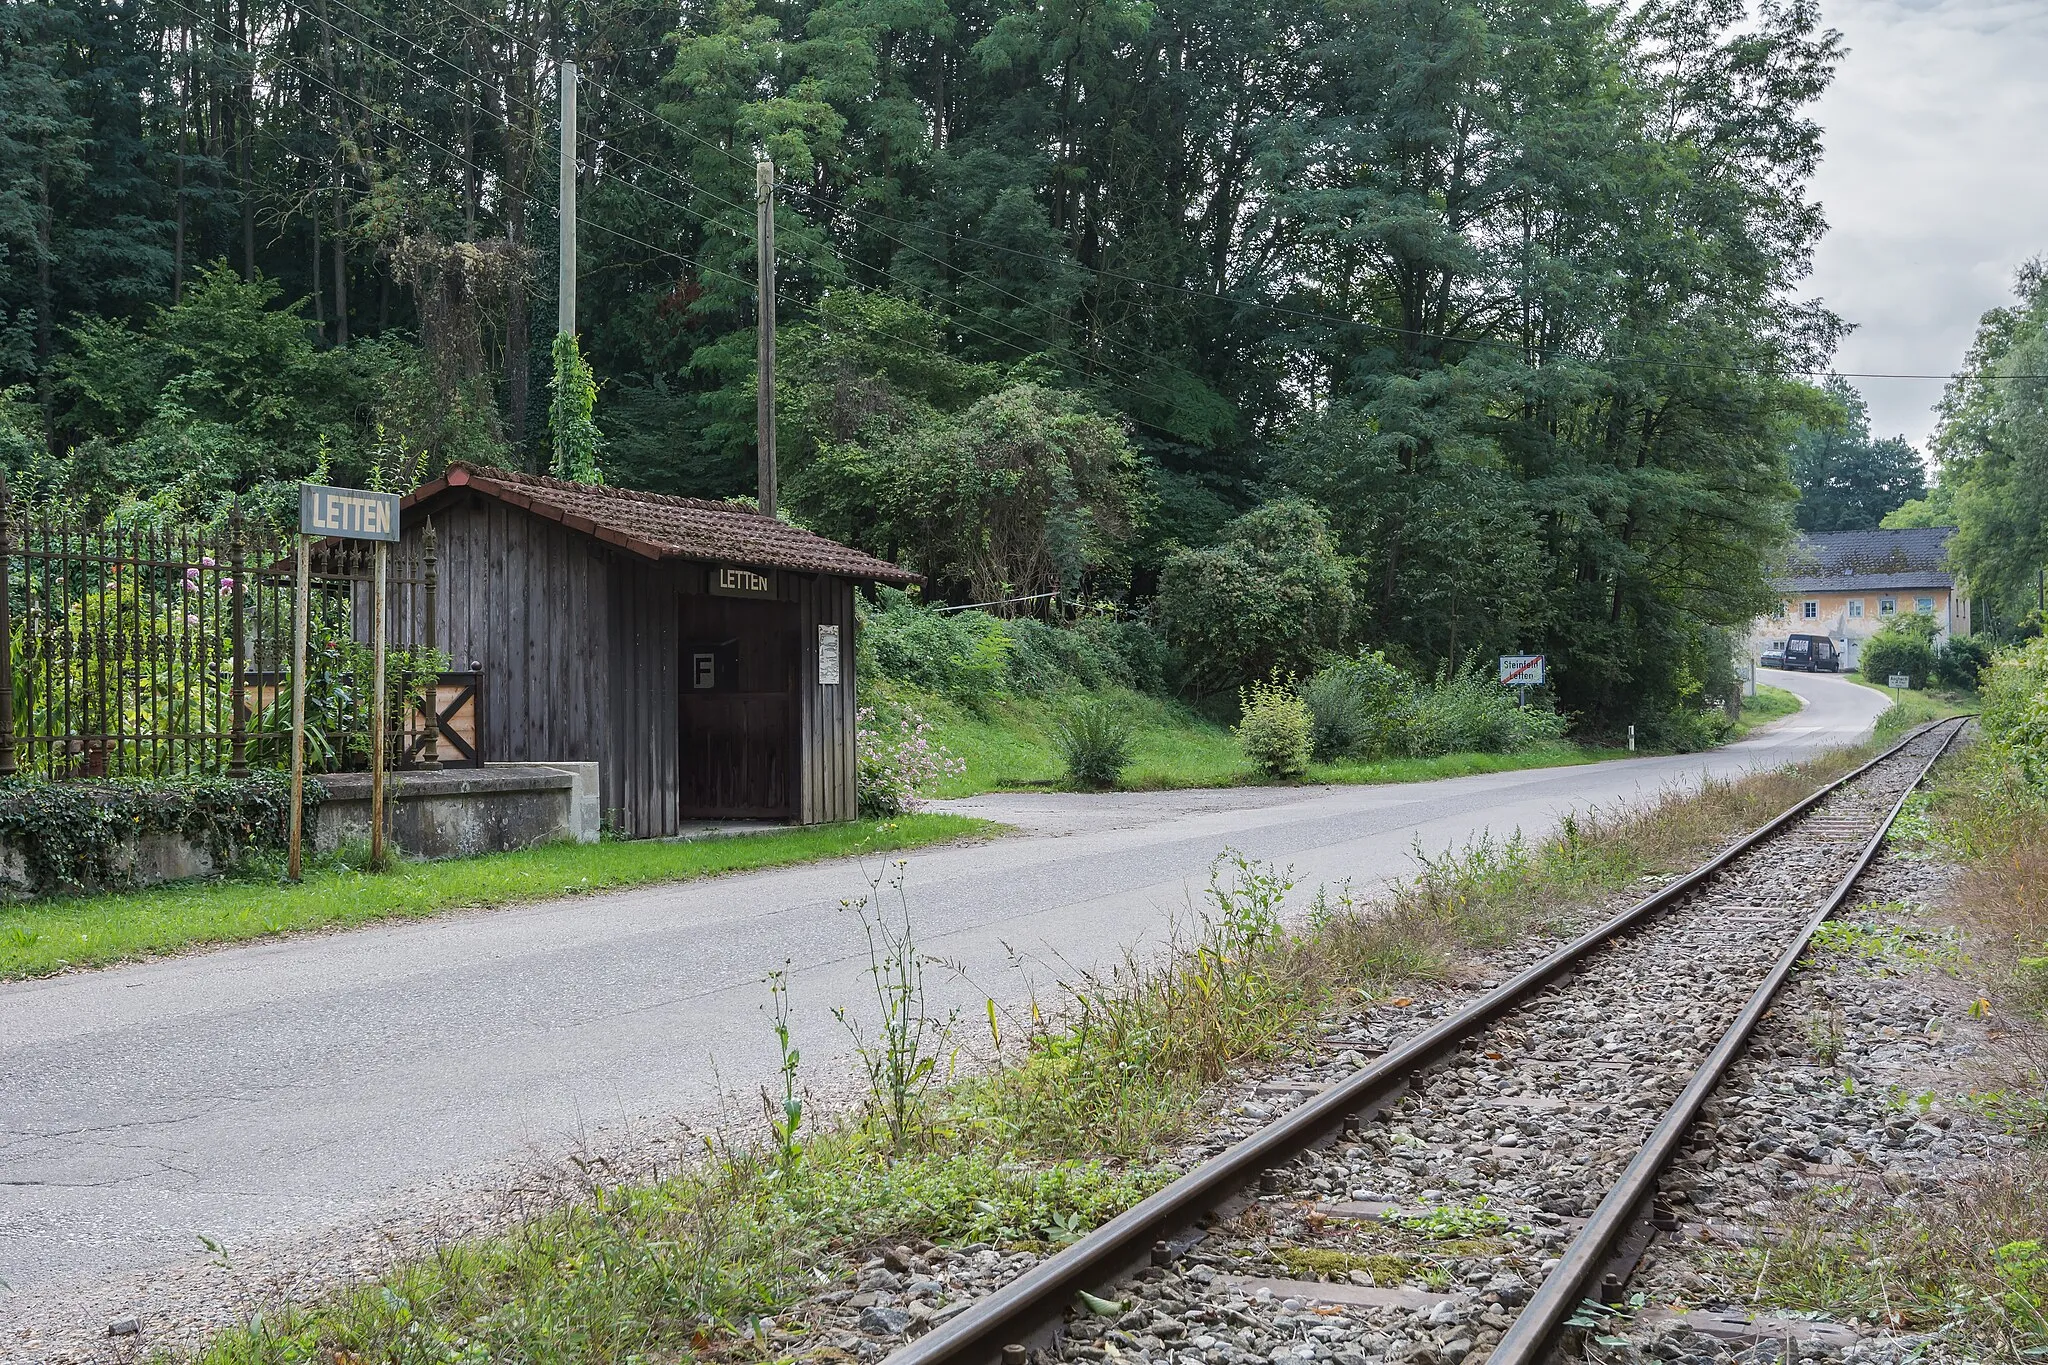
[739, 710]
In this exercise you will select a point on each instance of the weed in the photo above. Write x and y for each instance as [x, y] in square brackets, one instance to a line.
[1605, 1321]
[785, 1124]
[1887, 949]
[901, 1051]
[1824, 1034]
[1095, 741]
[2016, 1112]
[1445, 1221]
[1957, 1259]
[1315, 1262]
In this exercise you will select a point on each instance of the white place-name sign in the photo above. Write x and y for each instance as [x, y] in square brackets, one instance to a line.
[350, 513]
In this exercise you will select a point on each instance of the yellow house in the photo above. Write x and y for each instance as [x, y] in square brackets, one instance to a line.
[1848, 584]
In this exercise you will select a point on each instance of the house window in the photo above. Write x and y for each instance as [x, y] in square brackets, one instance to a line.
[1810, 610]
[1778, 611]
[1887, 605]
[1924, 605]
[1855, 606]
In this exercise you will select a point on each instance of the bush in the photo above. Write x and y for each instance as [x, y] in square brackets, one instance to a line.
[897, 761]
[1960, 662]
[1276, 729]
[1273, 596]
[1337, 716]
[1906, 645]
[1687, 729]
[962, 655]
[1470, 712]
[1359, 707]
[1095, 741]
[2015, 714]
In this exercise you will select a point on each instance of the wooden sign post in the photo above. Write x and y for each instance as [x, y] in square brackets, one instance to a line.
[302, 587]
[347, 514]
[380, 706]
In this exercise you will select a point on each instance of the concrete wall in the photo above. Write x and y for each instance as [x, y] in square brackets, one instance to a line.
[461, 812]
[144, 860]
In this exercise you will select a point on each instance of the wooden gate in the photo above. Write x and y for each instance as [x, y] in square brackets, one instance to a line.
[738, 728]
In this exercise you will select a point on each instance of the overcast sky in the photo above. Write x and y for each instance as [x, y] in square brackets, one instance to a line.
[1935, 184]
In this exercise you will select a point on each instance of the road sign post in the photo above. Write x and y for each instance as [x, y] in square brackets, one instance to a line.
[346, 514]
[1899, 682]
[1521, 672]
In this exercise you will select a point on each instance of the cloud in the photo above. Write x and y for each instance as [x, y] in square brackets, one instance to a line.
[1936, 129]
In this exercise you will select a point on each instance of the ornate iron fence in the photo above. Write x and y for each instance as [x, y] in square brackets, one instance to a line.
[149, 652]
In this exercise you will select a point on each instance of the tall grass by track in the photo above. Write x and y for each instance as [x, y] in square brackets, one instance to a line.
[1969, 1260]
[684, 1267]
[61, 933]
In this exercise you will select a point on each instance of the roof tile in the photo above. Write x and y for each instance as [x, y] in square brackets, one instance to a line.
[662, 526]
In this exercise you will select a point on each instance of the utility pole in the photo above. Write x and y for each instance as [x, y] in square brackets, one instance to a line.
[764, 358]
[565, 285]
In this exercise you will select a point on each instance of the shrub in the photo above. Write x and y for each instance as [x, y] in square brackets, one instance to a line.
[2015, 714]
[956, 654]
[1470, 712]
[1336, 708]
[898, 760]
[1276, 729]
[1273, 595]
[1095, 741]
[1358, 705]
[1960, 662]
[1906, 645]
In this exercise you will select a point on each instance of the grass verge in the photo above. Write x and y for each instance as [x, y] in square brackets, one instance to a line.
[52, 935]
[687, 1267]
[1768, 705]
[1007, 746]
[1911, 707]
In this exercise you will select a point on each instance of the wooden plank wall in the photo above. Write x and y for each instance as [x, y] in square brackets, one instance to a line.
[639, 774]
[829, 776]
[525, 598]
[580, 648]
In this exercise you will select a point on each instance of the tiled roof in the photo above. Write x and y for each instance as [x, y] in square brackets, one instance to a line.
[1870, 561]
[660, 526]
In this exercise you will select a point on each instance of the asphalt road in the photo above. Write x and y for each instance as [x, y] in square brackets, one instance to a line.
[273, 1090]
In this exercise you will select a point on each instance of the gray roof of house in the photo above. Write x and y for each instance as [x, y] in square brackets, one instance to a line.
[1869, 561]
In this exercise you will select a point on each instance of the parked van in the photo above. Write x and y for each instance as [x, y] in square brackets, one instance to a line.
[1811, 654]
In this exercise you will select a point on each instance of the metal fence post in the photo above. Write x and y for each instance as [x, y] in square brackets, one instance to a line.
[430, 749]
[8, 766]
[238, 726]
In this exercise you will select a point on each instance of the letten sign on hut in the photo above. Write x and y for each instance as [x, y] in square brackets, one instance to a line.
[692, 649]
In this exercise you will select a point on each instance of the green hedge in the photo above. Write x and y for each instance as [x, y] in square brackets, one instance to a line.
[71, 835]
[971, 655]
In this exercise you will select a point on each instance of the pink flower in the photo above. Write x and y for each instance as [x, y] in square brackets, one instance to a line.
[191, 620]
[207, 560]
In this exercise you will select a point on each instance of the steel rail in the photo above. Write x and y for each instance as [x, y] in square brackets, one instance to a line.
[1035, 1301]
[1571, 1280]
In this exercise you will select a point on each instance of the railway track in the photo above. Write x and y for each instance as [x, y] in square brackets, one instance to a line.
[1530, 1128]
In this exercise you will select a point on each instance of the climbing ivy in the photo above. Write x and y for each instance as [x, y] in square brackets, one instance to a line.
[570, 414]
[75, 835]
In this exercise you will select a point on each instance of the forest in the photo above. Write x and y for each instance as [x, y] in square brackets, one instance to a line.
[1437, 327]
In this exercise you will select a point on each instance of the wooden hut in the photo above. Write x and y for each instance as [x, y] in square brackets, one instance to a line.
[700, 653]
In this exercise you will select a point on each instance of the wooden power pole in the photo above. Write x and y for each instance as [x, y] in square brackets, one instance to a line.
[565, 280]
[764, 359]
